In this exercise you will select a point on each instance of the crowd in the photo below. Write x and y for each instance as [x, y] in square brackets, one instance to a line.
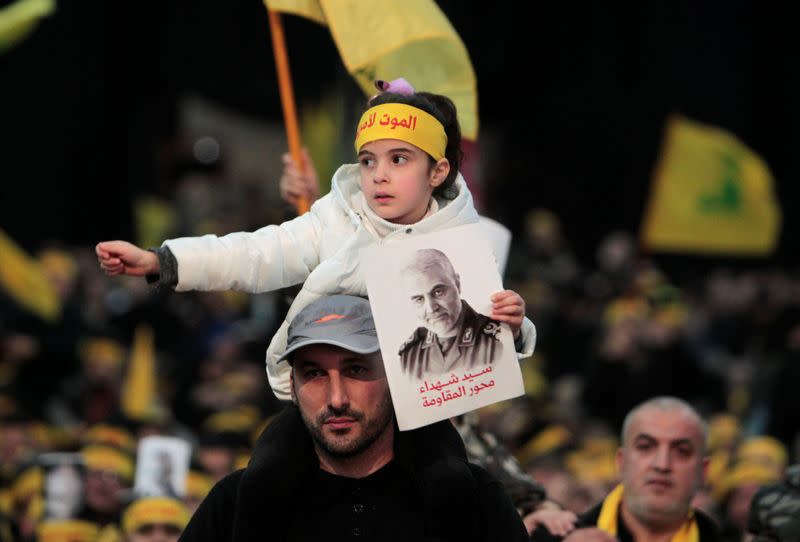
[611, 334]
[609, 337]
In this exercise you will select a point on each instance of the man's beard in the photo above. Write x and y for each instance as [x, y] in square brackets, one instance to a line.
[339, 447]
[446, 325]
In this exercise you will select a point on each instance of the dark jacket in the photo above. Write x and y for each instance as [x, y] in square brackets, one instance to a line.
[709, 532]
[270, 500]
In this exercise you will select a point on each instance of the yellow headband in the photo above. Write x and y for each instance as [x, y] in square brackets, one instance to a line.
[155, 511]
[744, 474]
[110, 436]
[67, 530]
[404, 122]
[765, 450]
[104, 458]
[29, 482]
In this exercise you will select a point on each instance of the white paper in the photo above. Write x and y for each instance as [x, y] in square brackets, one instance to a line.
[63, 484]
[483, 369]
[162, 464]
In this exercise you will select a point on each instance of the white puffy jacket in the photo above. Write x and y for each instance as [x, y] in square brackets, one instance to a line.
[320, 247]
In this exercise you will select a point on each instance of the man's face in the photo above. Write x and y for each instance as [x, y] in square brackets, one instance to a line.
[104, 491]
[343, 398]
[435, 295]
[216, 460]
[662, 465]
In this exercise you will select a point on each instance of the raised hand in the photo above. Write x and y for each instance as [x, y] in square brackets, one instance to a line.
[299, 180]
[509, 307]
[124, 258]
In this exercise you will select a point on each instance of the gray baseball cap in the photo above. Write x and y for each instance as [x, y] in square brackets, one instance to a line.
[339, 320]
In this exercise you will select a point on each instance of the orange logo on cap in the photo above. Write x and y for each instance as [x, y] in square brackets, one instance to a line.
[328, 318]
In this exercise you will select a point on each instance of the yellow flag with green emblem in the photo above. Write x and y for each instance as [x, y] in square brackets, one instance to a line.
[711, 194]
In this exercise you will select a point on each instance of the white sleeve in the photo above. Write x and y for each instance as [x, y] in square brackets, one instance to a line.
[264, 260]
[528, 337]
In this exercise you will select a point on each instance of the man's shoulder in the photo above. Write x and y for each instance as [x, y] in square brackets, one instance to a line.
[498, 518]
[488, 328]
[225, 490]
[708, 528]
[417, 338]
[477, 326]
[214, 519]
[477, 329]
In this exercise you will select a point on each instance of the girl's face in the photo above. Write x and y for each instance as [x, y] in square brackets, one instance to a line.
[397, 179]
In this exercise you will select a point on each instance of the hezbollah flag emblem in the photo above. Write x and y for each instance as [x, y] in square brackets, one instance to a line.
[710, 194]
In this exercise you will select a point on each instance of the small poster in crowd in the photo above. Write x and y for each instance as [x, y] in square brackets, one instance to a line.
[162, 464]
[430, 296]
[63, 476]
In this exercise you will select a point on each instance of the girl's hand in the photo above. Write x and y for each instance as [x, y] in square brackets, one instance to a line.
[299, 180]
[123, 258]
[509, 307]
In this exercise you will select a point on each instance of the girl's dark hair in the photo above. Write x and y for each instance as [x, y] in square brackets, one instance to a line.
[444, 110]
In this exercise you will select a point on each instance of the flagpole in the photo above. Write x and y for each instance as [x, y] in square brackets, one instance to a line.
[287, 96]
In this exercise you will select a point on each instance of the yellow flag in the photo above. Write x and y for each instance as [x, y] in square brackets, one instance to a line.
[20, 18]
[139, 388]
[711, 194]
[310, 9]
[155, 220]
[320, 124]
[26, 282]
[412, 39]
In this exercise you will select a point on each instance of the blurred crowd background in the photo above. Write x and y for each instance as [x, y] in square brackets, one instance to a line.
[150, 120]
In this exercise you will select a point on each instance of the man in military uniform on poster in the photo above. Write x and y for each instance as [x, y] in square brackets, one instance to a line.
[454, 336]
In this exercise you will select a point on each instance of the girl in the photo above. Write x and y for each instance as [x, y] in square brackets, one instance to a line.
[405, 183]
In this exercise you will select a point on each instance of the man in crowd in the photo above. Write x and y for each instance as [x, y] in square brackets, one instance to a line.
[333, 466]
[661, 463]
[109, 474]
[453, 335]
[154, 519]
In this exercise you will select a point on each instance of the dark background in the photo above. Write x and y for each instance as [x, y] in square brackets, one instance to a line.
[576, 96]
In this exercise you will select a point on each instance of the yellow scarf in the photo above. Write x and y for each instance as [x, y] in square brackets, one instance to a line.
[610, 510]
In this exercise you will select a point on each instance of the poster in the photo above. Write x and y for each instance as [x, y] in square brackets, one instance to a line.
[162, 464]
[63, 474]
[430, 296]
